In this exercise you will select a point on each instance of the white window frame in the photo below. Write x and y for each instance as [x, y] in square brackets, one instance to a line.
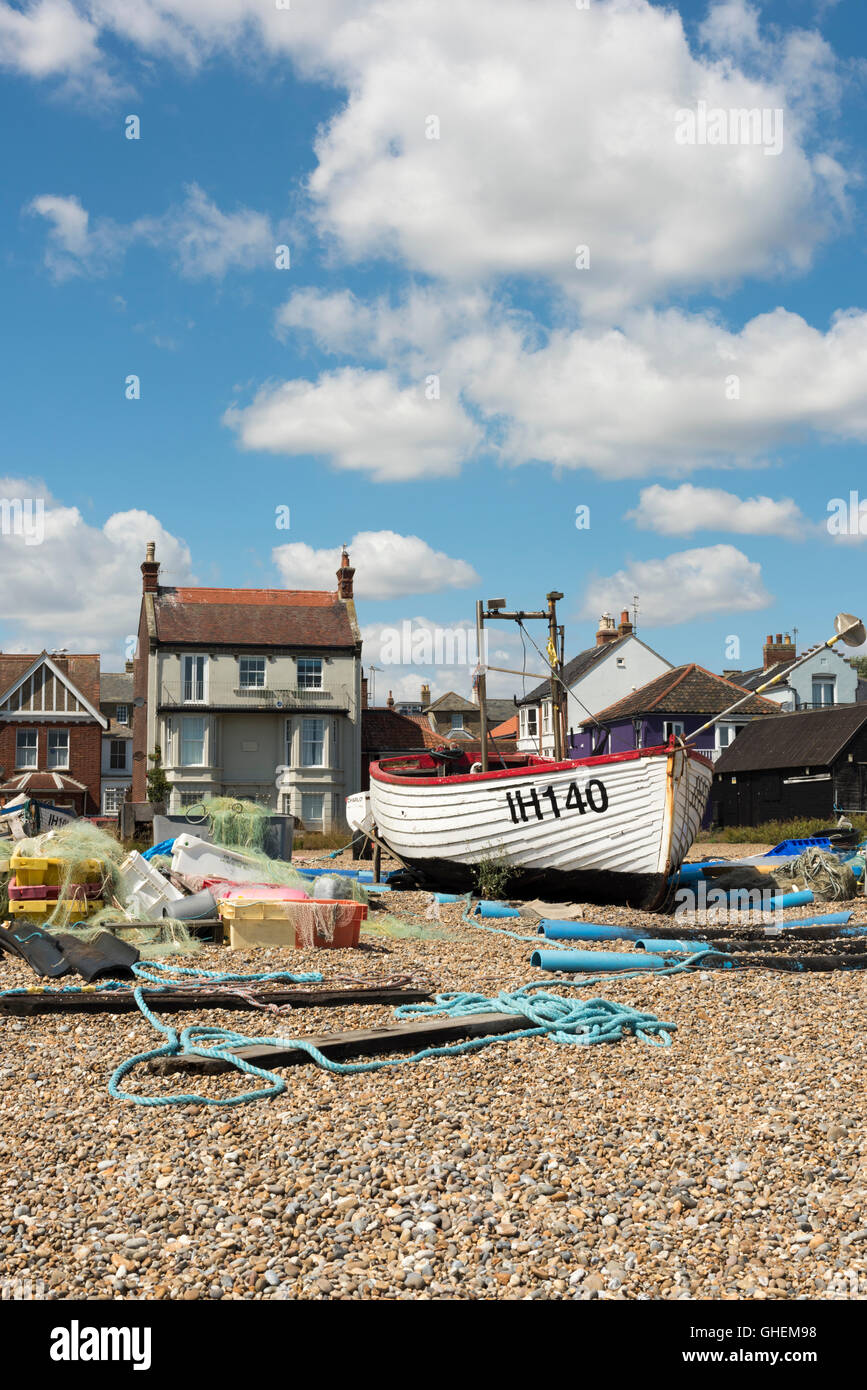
[252, 685]
[313, 821]
[115, 793]
[22, 748]
[457, 720]
[826, 683]
[122, 714]
[546, 717]
[193, 682]
[309, 679]
[185, 739]
[672, 726]
[307, 741]
[57, 747]
[532, 722]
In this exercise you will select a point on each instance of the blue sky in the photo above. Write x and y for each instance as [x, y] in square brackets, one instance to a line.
[452, 256]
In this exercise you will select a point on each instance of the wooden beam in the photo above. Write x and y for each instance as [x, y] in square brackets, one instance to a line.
[366, 1042]
[54, 1001]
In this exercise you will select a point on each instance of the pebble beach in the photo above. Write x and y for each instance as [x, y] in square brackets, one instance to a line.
[730, 1165]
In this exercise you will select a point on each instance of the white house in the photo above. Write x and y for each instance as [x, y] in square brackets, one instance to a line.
[252, 693]
[828, 678]
[618, 664]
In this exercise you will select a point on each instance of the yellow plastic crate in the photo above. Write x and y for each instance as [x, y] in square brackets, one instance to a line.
[33, 872]
[43, 907]
[277, 923]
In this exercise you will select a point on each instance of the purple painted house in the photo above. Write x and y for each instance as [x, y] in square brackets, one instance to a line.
[675, 703]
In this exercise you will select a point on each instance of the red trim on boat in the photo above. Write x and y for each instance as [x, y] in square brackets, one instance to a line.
[535, 767]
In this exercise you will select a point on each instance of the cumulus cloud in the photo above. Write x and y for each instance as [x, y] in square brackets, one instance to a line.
[682, 510]
[81, 586]
[680, 587]
[201, 239]
[387, 565]
[48, 38]
[361, 421]
[408, 652]
[560, 134]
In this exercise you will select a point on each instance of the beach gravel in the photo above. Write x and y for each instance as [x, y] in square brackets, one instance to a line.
[728, 1166]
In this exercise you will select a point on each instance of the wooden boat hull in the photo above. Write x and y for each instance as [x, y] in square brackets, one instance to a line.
[604, 830]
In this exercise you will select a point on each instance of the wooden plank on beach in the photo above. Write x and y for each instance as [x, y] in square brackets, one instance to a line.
[55, 1001]
[365, 1042]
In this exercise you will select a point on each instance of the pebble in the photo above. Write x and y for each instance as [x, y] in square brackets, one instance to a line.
[727, 1166]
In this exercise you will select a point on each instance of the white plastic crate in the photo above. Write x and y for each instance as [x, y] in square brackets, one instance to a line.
[147, 890]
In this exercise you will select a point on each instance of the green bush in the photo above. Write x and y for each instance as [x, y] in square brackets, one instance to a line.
[773, 831]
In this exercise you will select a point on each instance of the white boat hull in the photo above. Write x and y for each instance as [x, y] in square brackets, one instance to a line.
[601, 829]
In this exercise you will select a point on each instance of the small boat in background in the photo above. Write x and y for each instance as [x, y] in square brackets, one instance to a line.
[609, 829]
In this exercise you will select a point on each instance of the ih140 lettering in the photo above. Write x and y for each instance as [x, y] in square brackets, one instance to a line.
[532, 800]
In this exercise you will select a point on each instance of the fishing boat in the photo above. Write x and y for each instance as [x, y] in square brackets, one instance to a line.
[606, 829]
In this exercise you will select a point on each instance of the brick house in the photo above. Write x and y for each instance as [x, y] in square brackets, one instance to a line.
[254, 693]
[51, 730]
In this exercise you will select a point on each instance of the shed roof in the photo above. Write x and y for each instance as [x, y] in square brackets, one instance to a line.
[686, 690]
[804, 738]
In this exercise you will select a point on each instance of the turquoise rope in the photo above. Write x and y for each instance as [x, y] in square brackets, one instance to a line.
[584, 1023]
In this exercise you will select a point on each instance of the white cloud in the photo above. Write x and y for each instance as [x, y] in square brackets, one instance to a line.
[673, 392]
[48, 38]
[361, 421]
[680, 587]
[558, 133]
[412, 651]
[387, 565]
[81, 587]
[201, 239]
[682, 510]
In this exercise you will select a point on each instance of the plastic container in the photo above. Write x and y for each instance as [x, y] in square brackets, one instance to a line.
[798, 846]
[270, 923]
[257, 892]
[146, 891]
[194, 857]
[277, 843]
[43, 907]
[51, 892]
[31, 871]
[193, 908]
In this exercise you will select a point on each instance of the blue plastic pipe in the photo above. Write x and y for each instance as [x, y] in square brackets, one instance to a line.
[486, 909]
[448, 897]
[680, 948]
[688, 873]
[594, 961]
[791, 900]
[831, 919]
[585, 931]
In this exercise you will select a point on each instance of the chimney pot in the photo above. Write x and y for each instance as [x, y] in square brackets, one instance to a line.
[345, 577]
[389, 704]
[150, 570]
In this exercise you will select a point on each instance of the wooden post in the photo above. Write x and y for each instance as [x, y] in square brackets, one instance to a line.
[481, 682]
[553, 634]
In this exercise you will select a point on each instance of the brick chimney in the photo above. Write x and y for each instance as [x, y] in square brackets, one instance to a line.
[425, 696]
[625, 628]
[606, 631]
[777, 651]
[364, 692]
[345, 576]
[389, 704]
[150, 570]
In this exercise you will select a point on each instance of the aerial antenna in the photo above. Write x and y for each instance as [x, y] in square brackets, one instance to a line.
[371, 699]
[635, 612]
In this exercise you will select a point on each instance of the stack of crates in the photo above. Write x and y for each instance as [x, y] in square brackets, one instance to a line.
[35, 884]
[291, 924]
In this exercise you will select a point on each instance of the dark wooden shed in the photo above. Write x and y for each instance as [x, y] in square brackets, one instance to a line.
[809, 763]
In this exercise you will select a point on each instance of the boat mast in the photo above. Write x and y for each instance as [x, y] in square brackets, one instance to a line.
[496, 610]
